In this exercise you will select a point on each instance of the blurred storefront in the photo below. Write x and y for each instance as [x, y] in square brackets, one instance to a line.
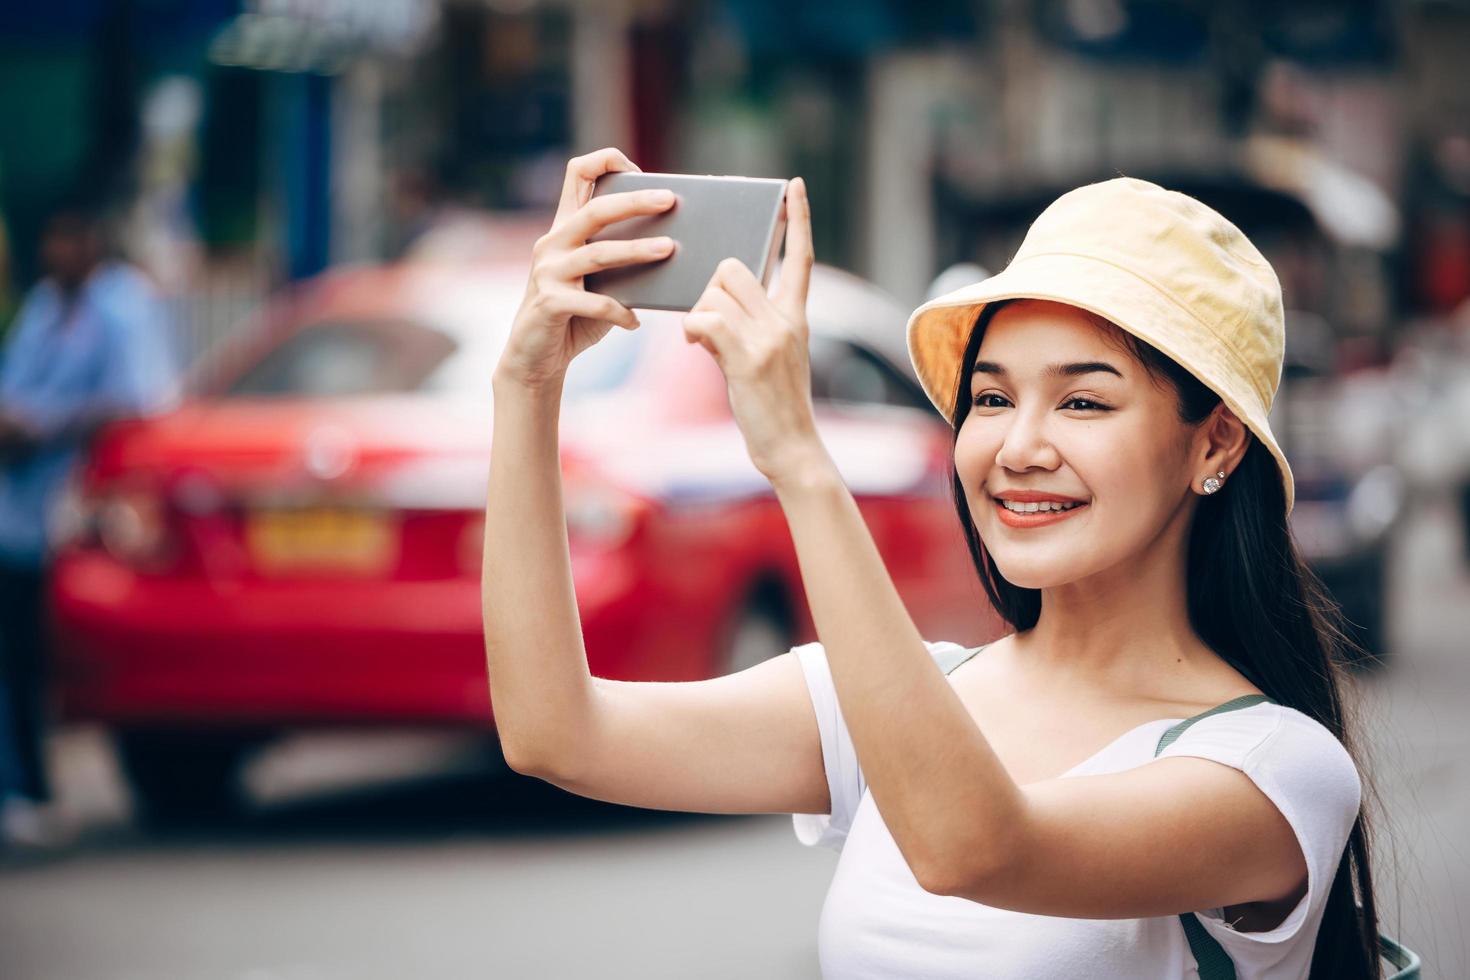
[1436, 270]
[252, 142]
[73, 77]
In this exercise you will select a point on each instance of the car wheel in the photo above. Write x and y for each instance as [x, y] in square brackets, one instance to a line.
[761, 630]
[183, 779]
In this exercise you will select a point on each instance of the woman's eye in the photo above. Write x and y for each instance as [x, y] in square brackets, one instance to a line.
[1084, 404]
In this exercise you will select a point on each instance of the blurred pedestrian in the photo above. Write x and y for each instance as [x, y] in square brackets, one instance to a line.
[90, 344]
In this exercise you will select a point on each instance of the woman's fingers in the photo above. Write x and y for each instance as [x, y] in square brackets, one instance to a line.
[558, 318]
[716, 299]
[737, 280]
[707, 329]
[594, 306]
[796, 265]
[713, 322]
[597, 256]
[608, 209]
[582, 173]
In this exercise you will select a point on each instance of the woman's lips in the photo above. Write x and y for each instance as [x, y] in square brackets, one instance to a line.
[1041, 517]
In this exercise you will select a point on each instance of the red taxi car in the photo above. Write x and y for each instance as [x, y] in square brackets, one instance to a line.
[298, 544]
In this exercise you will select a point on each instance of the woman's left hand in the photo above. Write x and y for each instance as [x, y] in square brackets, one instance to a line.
[760, 344]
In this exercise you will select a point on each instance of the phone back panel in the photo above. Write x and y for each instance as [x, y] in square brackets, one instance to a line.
[715, 217]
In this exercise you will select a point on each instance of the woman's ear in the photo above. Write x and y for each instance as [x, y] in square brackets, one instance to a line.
[1220, 444]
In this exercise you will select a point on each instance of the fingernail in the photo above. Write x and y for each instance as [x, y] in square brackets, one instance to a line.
[663, 197]
[662, 244]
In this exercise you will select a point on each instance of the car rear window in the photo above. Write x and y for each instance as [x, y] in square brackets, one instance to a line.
[336, 358]
[850, 373]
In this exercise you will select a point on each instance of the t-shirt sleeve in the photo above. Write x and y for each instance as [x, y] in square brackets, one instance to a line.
[845, 780]
[1305, 770]
[140, 377]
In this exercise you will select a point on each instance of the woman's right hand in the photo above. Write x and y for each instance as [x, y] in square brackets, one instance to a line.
[558, 319]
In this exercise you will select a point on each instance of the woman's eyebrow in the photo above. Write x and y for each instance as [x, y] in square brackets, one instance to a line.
[1053, 370]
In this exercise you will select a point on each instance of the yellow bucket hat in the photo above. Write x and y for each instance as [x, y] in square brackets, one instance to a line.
[1159, 264]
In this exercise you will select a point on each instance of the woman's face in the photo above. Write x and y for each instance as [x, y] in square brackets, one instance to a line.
[1060, 407]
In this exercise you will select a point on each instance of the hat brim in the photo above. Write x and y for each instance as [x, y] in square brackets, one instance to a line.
[939, 329]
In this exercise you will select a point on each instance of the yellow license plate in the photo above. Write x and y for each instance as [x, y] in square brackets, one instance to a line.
[321, 540]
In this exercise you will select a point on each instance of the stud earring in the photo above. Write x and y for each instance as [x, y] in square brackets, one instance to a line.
[1211, 484]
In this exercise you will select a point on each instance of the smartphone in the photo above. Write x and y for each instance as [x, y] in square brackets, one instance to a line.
[712, 219]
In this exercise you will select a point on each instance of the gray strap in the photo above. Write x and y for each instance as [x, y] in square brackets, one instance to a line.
[1244, 701]
[1405, 960]
[1214, 962]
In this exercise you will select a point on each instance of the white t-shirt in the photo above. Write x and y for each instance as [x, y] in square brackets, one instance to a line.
[877, 922]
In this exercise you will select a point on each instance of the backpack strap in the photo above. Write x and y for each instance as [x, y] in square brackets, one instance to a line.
[1244, 701]
[1214, 962]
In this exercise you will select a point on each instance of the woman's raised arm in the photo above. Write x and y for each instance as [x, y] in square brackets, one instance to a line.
[540, 687]
[747, 742]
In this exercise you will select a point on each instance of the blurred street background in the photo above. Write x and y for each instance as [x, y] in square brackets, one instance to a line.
[240, 510]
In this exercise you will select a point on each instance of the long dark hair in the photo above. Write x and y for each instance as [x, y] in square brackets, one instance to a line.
[1255, 603]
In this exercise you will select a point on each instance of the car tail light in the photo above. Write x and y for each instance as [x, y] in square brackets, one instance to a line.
[129, 523]
[133, 526]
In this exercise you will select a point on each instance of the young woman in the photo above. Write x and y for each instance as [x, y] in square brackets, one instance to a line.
[1005, 816]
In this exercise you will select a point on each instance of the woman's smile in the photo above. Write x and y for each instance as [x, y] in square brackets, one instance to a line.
[1033, 518]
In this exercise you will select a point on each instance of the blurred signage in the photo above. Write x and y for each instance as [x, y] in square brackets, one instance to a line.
[322, 36]
[390, 25]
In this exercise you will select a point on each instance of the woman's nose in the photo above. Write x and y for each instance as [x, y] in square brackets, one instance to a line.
[1026, 445]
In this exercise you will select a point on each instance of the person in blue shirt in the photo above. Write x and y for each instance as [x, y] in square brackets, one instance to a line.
[90, 343]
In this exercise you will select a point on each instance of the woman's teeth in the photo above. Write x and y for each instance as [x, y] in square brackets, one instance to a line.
[1020, 508]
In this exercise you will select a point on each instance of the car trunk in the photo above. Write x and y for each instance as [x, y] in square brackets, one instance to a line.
[377, 487]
